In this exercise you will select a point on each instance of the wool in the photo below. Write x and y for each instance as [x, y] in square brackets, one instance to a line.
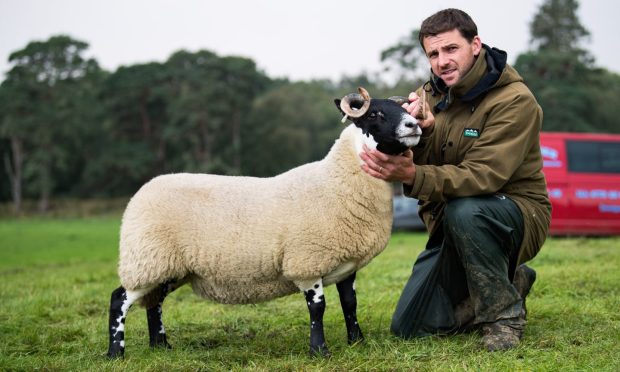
[246, 239]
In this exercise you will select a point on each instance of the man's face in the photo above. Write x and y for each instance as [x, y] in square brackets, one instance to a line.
[451, 55]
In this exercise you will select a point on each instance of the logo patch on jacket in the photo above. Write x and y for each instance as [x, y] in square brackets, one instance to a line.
[471, 132]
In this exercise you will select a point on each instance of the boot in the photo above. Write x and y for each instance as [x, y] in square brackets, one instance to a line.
[503, 334]
[523, 281]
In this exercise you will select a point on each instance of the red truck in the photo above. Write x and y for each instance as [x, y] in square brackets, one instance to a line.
[583, 181]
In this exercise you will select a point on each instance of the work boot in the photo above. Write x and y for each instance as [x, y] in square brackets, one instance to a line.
[503, 334]
[523, 281]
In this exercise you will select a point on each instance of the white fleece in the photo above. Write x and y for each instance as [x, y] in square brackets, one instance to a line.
[247, 239]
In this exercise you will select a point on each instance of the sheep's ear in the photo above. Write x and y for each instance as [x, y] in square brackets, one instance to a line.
[344, 117]
[337, 102]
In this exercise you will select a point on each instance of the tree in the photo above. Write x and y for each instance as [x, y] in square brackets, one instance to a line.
[187, 114]
[132, 147]
[406, 57]
[557, 81]
[43, 112]
[556, 28]
[12, 135]
[575, 95]
[209, 110]
[292, 124]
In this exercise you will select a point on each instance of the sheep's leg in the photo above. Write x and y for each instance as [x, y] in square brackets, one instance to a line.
[120, 302]
[157, 333]
[348, 301]
[316, 306]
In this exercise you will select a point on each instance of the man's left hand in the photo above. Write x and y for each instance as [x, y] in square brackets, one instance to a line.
[389, 167]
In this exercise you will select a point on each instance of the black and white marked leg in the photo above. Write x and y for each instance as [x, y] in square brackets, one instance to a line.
[157, 333]
[120, 302]
[348, 301]
[316, 306]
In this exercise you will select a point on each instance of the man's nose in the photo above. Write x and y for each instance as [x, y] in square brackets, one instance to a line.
[442, 59]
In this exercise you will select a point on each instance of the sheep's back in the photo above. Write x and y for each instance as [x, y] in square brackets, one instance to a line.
[192, 223]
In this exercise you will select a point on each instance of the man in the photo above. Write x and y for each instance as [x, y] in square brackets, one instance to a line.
[477, 174]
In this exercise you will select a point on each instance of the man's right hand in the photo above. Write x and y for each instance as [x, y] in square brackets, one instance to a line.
[426, 119]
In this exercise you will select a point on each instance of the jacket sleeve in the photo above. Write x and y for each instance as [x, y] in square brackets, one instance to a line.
[510, 130]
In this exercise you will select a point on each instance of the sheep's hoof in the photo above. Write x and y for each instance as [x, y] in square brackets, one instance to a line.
[355, 337]
[114, 353]
[160, 342]
[320, 351]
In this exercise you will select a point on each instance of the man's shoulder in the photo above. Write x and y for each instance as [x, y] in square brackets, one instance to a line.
[511, 86]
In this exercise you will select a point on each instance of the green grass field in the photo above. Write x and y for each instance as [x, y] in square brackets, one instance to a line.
[56, 277]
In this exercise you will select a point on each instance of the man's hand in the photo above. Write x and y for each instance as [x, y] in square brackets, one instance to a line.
[389, 167]
[426, 119]
[399, 167]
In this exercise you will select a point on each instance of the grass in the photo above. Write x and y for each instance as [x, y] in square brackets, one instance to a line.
[56, 277]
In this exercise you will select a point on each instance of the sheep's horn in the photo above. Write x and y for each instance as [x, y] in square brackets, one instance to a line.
[399, 99]
[402, 100]
[355, 105]
[364, 93]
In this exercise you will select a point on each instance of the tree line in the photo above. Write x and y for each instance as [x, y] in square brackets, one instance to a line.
[70, 128]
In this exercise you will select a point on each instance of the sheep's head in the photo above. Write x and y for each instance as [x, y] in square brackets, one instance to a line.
[385, 120]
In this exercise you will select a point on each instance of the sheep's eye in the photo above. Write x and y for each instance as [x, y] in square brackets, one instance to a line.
[377, 114]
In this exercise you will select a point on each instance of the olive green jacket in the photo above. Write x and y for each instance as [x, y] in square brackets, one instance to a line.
[485, 140]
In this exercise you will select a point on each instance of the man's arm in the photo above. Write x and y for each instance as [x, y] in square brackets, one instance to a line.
[508, 135]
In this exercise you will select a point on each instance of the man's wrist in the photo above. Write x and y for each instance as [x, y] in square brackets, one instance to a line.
[410, 177]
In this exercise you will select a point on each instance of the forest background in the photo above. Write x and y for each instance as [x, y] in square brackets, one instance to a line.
[71, 130]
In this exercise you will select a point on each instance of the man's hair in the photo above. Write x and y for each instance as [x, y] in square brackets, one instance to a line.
[447, 20]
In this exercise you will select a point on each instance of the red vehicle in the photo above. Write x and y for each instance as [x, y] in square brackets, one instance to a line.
[583, 181]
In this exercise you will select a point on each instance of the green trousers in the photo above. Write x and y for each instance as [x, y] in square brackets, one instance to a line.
[473, 255]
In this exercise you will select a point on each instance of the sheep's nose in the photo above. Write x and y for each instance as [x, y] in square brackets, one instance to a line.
[410, 124]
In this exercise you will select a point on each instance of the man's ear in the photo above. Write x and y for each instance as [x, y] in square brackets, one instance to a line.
[476, 45]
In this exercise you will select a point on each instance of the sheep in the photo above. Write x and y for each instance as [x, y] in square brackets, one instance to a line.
[240, 240]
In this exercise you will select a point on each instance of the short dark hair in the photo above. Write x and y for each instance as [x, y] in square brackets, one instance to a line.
[447, 20]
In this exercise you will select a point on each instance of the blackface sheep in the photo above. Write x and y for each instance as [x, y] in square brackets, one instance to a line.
[240, 240]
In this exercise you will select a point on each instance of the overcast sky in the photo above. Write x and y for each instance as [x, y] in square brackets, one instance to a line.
[286, 38]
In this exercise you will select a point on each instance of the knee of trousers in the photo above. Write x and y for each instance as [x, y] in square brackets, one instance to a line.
[462, 214]
[470, 229]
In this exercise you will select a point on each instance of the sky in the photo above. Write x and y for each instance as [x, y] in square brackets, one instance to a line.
[320, 39]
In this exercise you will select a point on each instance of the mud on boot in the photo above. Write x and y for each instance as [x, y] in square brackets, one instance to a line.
[523, 281]
[503, 334]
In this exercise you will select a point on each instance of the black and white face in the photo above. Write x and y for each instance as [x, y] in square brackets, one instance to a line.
[390, 125]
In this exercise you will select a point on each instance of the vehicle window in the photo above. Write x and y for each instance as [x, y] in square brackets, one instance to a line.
[593, 156]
